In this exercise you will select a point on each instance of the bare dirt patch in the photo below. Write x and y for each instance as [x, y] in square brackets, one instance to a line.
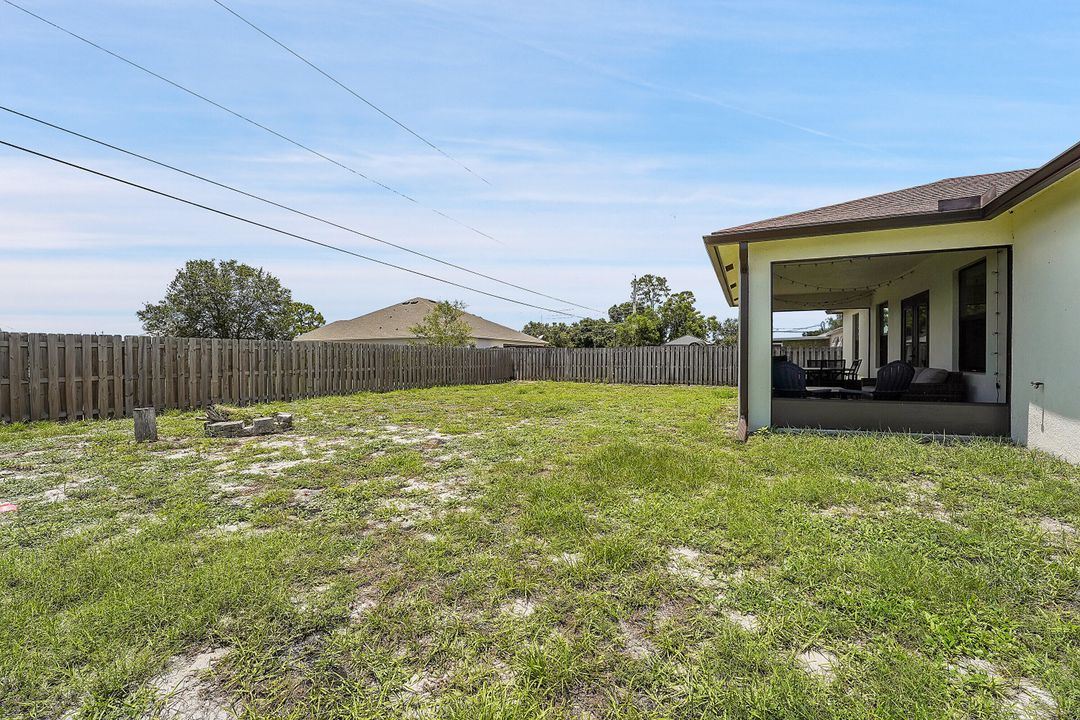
[366, 600]
[519, 607]
[1023, 698]
[685, 562]
[273, 468]
[420, 690]
[746, 621]
[637, 645]
[818, 663]
[1057, 532]
[184, 691]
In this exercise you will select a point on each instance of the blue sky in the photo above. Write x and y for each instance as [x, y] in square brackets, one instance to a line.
[613, 134]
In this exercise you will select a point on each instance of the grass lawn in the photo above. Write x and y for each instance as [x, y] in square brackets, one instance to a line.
[532, 550]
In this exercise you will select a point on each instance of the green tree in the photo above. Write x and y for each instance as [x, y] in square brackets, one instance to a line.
[724, 332]
[592, 333]
[554, 334]
[649, 291]
[227, 299]
[304, 318]
[444, 326]
[680, 316]
[618, 313]
[642, 328]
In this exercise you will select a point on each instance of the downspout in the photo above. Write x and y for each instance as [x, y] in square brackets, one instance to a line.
[743, 428]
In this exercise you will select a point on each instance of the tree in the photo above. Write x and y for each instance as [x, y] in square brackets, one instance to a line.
[304, 318]
[649, 291]
[444, 326]
[722, 333]
[592, 333]
[642, 328]
[227, 299]
[652, 315]
[554, 334]
[679, 316]
[618, 313]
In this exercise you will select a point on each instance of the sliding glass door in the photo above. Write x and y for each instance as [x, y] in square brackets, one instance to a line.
[915, 348]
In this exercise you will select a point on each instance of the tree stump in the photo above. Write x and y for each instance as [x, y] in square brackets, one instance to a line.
[145, 424]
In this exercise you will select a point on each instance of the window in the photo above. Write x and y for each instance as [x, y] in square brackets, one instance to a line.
[855, 349]
[915, 315]
[883, 334]
[972, 318]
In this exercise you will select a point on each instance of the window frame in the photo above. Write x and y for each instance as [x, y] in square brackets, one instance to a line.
[962, 324]
[911, 354]
[882, 320]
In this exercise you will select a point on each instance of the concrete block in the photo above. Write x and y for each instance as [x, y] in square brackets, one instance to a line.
[231, 428]
[263, 426]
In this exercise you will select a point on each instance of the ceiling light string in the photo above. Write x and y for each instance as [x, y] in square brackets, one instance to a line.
[862, 288]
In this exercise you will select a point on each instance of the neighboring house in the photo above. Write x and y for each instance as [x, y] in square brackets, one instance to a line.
[390, 326]
[686, 340]
[829, 339]
[975, 277]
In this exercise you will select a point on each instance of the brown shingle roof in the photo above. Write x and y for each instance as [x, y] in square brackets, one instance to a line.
[918, 200]
[393, 323]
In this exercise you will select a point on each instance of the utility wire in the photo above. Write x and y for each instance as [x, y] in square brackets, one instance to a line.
[286, 233]
[249, 120]
[288, 208]
[349, 90]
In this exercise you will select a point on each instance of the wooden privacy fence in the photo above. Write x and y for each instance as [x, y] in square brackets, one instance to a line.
[812, 356]
[663, 365]
[72, 377]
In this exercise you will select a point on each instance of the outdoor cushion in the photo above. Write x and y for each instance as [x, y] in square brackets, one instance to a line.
[930, 376]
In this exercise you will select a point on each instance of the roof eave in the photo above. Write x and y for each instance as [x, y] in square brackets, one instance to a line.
[1052, 171]
[1064, 164]
[895, 222]
[721, 273]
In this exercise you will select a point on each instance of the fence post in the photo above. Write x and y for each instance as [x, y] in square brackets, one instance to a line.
[145, 424]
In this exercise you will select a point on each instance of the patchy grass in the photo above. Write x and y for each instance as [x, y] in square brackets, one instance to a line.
[532, 551]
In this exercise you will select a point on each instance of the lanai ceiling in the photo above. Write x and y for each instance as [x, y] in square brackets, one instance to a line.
[839, 284]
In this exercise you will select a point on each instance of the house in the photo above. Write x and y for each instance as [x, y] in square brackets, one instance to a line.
[390, 326]
[829, 339]
[686, 340]
[970, 280]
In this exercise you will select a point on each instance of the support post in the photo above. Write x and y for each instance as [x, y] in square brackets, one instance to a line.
[743, 429]
[145, 424]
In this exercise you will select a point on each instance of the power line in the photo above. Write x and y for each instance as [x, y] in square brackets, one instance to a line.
[250, 121]
[288, 208]
[271, 228]
[349, 90]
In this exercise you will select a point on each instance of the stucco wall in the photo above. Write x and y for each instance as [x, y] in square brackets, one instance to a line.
[763, 254]
[1046, 265]
[864, 339]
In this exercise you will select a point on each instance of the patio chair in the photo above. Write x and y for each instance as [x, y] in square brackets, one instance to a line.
[893, 380]
[852, 373]
[788, 379]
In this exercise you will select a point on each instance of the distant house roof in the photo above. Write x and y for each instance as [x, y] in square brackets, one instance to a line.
[393, 323]
[686, 340]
